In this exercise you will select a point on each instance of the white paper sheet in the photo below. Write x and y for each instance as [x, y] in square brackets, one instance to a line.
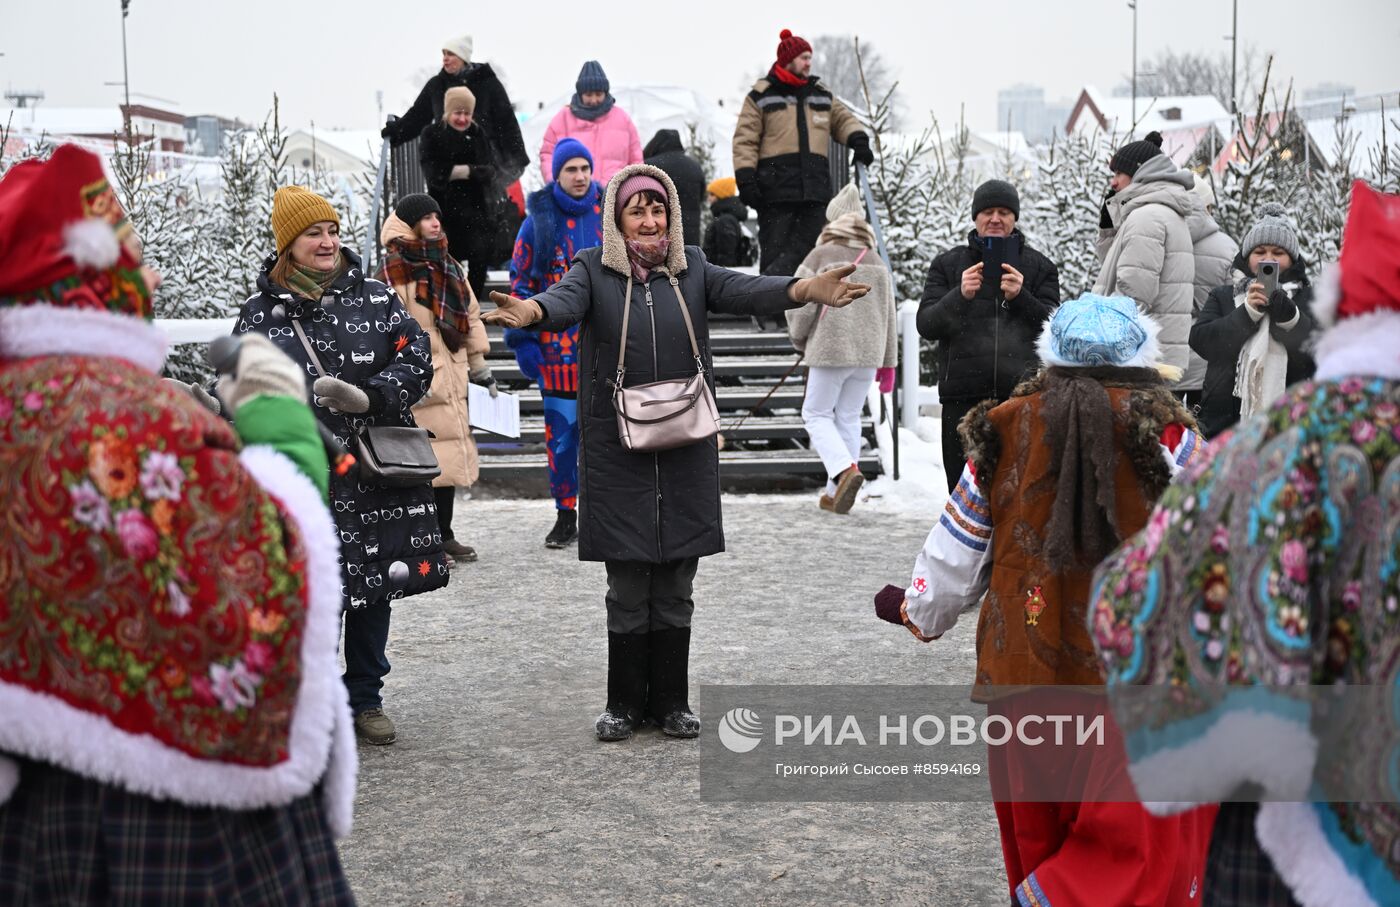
[499, 415]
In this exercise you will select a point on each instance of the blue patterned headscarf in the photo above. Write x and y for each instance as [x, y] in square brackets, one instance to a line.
[1097, 330]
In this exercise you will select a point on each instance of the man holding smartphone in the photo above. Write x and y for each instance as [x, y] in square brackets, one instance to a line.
[984, 303]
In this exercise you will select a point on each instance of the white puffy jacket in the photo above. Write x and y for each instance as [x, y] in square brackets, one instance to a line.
[1147, 255]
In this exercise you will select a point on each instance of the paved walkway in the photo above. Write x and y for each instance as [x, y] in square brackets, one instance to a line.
[497, 792]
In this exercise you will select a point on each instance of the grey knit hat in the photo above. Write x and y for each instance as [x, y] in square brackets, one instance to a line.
[591, 78]
[1273, 227]
[996, 194]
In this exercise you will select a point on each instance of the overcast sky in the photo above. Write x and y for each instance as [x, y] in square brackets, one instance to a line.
[326, 60]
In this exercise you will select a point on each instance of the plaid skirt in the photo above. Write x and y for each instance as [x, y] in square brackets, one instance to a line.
[65, 839]
[1238, 872]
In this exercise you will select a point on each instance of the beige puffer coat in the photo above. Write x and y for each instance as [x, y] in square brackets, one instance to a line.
[443, 409]
[1215, 255]
[1147, 255]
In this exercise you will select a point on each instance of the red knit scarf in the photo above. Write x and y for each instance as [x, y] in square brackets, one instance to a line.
[786, 76]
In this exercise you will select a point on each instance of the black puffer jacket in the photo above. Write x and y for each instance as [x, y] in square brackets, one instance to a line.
[1224, 327]
[390, 545]
[494, 114]
[651, 507]
[986, 345]
[666, 151]
[724, 237]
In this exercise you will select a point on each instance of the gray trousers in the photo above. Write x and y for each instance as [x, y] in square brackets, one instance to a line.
[644, 597]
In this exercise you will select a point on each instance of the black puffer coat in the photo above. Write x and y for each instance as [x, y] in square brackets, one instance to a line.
[986, 345]
[651, 507]
[390, 545]
[666, 151]
[471, 208]
[494, 114]
[1224, 327]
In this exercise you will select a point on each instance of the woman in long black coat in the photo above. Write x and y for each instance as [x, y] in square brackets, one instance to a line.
[380, 364]
[649, 517]
[462, 174]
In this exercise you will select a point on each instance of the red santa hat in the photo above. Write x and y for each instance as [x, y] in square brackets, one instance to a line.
[65, 240]
[1366, 279]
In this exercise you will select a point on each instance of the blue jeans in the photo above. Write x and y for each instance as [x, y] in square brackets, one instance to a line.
[366, 635]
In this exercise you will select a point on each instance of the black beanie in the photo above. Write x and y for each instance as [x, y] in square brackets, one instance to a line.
[1134, 154]
[996, 194]
[413, 208]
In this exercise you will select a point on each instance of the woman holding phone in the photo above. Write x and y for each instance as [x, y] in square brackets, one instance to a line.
[1251, 332]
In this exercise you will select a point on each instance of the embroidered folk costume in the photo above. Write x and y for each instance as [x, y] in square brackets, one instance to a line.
[169, 596]
[1057, 475]
[1265, 580]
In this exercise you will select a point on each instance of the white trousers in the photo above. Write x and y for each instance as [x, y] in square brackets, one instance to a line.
[831, 411]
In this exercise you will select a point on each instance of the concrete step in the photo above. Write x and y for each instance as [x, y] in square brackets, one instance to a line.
[756, 428]
[723, 367]
[731, 399]
[731, 463]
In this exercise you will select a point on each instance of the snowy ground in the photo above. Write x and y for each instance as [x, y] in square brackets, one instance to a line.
[497, 792]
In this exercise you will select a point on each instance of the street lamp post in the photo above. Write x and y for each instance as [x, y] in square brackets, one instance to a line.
[1132, 5]
[126, 76]
[1234, 47]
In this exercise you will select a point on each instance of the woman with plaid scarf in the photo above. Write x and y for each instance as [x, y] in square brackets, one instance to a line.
[434, 289]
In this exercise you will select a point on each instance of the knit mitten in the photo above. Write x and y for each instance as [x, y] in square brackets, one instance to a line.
[262, 369]
[888, 602]
[340, 396]
[1281, 308]
[200, 395]
[885, 378]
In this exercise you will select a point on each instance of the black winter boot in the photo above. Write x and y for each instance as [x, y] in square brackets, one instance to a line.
[565, 529]
[668, 692]
[627, 685]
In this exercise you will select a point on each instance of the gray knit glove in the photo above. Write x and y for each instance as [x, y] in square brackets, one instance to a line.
[262, 369]
[340, 396]
[483, 377]
[200, 395]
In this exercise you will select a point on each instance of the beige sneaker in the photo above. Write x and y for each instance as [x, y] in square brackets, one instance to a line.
[847, 487]
[375, 727]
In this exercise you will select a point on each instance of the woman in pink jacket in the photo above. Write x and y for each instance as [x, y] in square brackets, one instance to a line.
[592, 118]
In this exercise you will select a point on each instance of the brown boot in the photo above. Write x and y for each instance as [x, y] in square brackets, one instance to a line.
[375, 727]
[847, 486]
[459, 552]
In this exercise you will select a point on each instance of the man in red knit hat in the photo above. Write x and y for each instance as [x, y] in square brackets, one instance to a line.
[780, 161]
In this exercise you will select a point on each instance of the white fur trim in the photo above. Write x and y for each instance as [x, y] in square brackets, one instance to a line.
[9, 778]
[1327, 293]
[90, 746]
[48, 330]
[91, 243]
[1366, 345]
[1242, 746]
[1148, 356]
[1291, 834]
[321, 687]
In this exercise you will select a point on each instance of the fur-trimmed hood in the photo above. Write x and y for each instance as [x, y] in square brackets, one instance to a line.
[615, 249]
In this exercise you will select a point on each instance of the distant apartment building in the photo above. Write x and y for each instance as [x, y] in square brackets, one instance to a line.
[1022, 108]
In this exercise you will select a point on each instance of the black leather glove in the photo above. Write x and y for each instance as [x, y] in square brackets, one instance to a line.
[749, 193]
[859, 143]
[1106, 222]
[1281, 308]
[387, 132]
[482, 173]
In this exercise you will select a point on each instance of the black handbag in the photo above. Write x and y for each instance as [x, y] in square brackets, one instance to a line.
[396, 456]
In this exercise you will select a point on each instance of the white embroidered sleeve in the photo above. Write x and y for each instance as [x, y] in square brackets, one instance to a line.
[955, 566]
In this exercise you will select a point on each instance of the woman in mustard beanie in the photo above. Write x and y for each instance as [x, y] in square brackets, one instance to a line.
[372, 363]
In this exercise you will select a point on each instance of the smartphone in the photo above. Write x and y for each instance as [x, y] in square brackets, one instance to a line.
[993, 255]
[1268, 276]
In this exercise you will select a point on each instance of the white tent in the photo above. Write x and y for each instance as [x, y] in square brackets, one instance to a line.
[651, 107]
